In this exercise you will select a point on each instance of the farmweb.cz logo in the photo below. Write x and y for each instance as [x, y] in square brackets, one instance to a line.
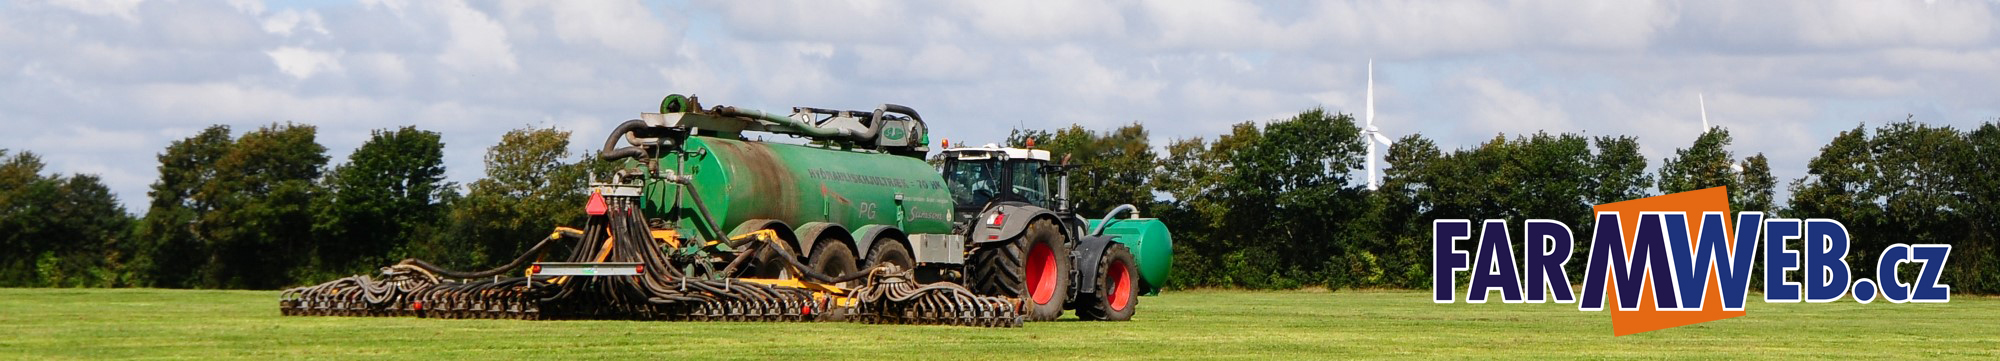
[1672, 260]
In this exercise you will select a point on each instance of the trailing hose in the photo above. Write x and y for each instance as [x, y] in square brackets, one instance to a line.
[523, 259]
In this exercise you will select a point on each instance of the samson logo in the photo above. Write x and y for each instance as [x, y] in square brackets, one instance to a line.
[1676, 260]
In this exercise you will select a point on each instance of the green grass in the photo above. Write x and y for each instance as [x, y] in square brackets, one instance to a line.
[177, 324]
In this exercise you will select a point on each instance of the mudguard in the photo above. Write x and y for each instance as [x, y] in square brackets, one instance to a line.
[1016, 219]
[1089, 251]
[784, 231]
[812, 231]
[864, 237]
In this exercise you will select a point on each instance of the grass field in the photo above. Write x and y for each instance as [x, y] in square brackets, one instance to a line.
[40, 324]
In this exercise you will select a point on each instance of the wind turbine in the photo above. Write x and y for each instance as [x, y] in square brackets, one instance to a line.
[1699, 99]
[1372, 134]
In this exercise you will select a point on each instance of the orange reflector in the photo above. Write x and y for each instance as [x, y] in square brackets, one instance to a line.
[535, 269]
[596, 205]
[639, 269]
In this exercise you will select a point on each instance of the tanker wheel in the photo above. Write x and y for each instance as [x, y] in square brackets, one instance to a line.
[766, 264]
[890, 250]
[1117, 296]
[1034, 267]
[831, 258]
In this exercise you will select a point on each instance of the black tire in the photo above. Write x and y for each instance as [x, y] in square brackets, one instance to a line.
[995, 269]
[766, 264]
[831, 258]
[892, 251]
[1034, 267]
[1117, 296]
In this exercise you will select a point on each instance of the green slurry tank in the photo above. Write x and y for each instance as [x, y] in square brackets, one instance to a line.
[853, 191]
[1150, 242]
[742, 181]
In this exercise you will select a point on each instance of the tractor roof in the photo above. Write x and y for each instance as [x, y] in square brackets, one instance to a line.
[1014, 153]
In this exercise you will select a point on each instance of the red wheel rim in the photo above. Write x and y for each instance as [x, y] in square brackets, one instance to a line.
[1121, 286]
[1041, 273]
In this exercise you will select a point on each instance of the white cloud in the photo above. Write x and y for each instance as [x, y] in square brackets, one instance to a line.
[1228, 25]
[626, 26]
[123, 9]
[477, 43]
[852, 21]
[1895, 23]
[1493, 107]
[387, 70]
[256, 105]
[1043, 20]
[303, 63]
[284, 22]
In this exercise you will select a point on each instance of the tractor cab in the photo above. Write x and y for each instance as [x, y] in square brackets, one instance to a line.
[978, 176]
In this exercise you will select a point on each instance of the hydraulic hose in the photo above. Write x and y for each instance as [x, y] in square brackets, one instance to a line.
[611, 154]
[687, 184]
[518, 261]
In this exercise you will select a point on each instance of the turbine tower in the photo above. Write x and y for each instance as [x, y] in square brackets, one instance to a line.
[1370, 133]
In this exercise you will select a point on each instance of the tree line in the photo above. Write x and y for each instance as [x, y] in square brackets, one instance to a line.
[1280, 204]
[1268, 205]
[263, 210]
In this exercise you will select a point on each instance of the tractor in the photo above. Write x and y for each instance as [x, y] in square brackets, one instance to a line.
[1029, 243]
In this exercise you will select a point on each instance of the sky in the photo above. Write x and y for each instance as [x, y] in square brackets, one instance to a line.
[101, 87]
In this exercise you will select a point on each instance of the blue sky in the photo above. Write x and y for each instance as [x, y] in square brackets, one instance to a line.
[101, 87]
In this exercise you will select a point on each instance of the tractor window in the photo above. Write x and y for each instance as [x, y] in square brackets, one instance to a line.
[1029, 182]
[972, 183]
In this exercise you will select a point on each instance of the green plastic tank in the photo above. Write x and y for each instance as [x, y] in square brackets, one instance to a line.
[743, 180]
[1150, 243]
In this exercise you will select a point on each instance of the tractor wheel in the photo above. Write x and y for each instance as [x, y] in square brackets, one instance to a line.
[1034, 267]
[995, 269]
[890, 250]
[831, 258]
[1117, 296]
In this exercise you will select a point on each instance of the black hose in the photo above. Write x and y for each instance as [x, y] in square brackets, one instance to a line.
[699, 207]
[738, 262]
[905, 110]
[518, 261]
[611, 154]
[808, 272]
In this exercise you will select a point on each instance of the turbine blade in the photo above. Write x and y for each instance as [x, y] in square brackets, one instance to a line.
[1380, 138]
[1704, 111]
[1371, 92]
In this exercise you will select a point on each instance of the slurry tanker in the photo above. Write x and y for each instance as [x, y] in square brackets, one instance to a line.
[701, 222]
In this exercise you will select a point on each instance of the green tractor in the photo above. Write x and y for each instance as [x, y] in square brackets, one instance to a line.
[1029, 243]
